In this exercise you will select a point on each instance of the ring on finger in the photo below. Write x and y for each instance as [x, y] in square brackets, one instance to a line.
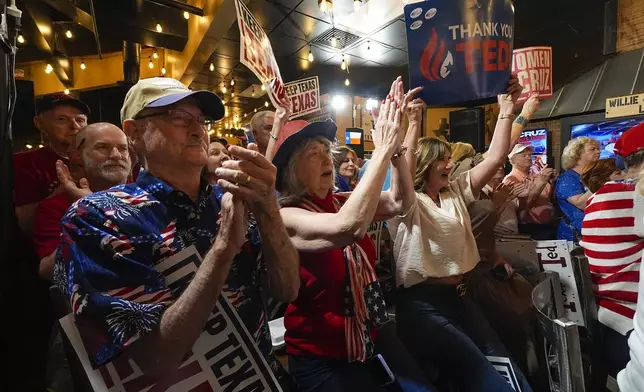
[248, 180]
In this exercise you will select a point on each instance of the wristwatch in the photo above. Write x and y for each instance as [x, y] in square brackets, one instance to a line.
[507, 116]
[521, 120]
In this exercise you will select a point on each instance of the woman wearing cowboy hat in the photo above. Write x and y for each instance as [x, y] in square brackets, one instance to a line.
[331, 326]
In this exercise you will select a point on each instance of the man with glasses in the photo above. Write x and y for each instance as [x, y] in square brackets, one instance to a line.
[58, 117]
[122, 250]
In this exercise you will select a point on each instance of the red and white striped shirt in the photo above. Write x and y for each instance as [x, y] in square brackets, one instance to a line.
[613, 244]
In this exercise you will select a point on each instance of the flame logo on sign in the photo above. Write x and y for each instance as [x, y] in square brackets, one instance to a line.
[434, 63]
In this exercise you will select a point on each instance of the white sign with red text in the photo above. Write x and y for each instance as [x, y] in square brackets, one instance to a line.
[304, 95]
[533, 67]
[224, 357]
[256, 53]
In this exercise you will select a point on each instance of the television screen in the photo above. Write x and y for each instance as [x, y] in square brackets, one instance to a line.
[605, 132]
[353, 137]
[538, 139]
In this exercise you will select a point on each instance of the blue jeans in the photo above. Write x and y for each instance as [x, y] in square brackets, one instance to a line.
[318, 374]
[448, 331]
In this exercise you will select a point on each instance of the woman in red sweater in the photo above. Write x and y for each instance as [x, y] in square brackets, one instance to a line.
[331, 326]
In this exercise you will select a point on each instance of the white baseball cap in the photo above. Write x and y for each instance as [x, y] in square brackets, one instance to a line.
[160, 92]
[519, 148]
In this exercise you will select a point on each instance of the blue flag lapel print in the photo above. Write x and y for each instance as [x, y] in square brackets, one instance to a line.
[459, 50]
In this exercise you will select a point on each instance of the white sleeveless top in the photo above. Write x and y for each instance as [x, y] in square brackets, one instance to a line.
[435, 242]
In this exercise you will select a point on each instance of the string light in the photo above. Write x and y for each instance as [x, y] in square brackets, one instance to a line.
[266, 103]
[40, 146]
[223, 89]
[212, 67]
[343, 65]
[163, 70]
[69, 34]
[325, 5]
[310, 55]
[232, 82]
[66, 91]
[29, 146]
[186, 15]
[253, 92]
[83, 66]
[21, 39]
[263, 88]
[155, 54]
[347, 82]
[255, 110]
[356, 5]
[159, 28]
[48, 69]
[232, 94]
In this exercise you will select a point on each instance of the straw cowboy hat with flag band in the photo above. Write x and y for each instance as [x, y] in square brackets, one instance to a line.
[295, 133]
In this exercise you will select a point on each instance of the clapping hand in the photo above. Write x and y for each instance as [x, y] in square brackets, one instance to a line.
[547, 175]
[74, 192]
[387, 130]
[508, 100]
[531, 106]
[413, 107]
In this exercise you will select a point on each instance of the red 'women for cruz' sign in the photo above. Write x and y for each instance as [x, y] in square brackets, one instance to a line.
[533, 67]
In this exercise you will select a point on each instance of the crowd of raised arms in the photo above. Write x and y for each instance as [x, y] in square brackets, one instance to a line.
[119, 215]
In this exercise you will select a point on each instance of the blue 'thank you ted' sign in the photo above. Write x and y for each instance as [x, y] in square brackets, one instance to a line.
[459, 50]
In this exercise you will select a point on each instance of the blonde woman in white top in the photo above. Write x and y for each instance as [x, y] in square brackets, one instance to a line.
[434, 247]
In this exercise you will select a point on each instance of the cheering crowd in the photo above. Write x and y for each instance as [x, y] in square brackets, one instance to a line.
[115, 213]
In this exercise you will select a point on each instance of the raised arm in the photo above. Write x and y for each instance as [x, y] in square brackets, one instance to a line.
[482, 173]
[321, 231]
[281, 118]
[530, 107]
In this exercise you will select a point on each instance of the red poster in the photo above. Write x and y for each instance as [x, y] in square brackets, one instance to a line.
[533, 67]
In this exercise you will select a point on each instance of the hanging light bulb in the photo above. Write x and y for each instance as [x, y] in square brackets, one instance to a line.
[29, 146]
[186, 15]
[212, 67]
[83, 66]
[343, 65]
[159, 28]
[266, 103]
[245, 115]
[334, 41]
[232, 94]
[255, 110]
[48, 69]
[69, 34]
[253, 92]
[163, 70]
[224, 89]
[263, 88]
[347, 82]
[232, 82]
[325, 5]
[155, 54]
[21, 39]
[310, 55]
[151, 64]
[66, 91]
[356, 5]
[40, 146]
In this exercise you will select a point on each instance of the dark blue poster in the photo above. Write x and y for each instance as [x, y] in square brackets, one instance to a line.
[459, 50]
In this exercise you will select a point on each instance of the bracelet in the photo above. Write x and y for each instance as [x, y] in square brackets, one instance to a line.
[507, 116]
[521, 120]
[400, 153]
[273, 136]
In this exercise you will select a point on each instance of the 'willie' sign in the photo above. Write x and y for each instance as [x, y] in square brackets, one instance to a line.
[628, 105]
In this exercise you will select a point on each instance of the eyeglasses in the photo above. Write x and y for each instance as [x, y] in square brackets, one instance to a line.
[181, 118]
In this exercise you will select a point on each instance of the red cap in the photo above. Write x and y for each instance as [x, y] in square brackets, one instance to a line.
[631, 141]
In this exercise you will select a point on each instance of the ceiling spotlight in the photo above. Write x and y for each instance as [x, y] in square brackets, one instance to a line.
[310, 55]
[347, 82]
[186, 15]
[343, 65]
[356, 5]
[151, 64]
[155, 54]
[159, 28]
[163, 70]
[66, 91]
[338, 102]
[334, 41]
[224, 89]
[21, 39]
[83, 66]
[48, 69]
[266, 103]
[325, 5]
[212, 67]
[232, 82]
[69, 34]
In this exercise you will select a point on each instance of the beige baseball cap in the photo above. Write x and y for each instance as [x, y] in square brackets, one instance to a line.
[519, 148]
[160, 92]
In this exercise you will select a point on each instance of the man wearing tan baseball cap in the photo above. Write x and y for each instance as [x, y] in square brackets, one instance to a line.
[129, 282]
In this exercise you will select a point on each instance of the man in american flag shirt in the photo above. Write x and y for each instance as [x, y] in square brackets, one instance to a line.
[113, 240]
